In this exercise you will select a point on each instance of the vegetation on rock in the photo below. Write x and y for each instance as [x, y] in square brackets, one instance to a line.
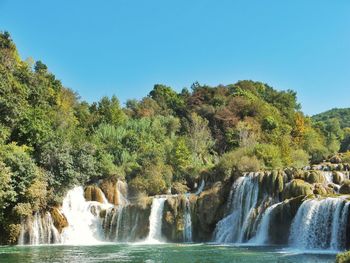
[343, 257]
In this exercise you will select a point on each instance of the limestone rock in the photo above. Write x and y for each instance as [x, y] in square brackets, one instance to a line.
[335, 159]
[297, 187]
[345, 187]
[281, 220]
[209, 209]
[315, 177]
[59, 220]
[93, 193]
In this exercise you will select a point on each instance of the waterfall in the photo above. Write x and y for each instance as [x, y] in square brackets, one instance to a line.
[155, 220]
[39, 230]
[201, 187]
[187, 221]
[112, 222]
[242, 201]
[328, 176]
[320, 224]
[83, 218]
[122, 193]
[262, 234]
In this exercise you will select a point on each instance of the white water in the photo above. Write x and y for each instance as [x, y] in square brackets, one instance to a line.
[84, 227]
[262, 234]
[112, 222]
[328, 176]
[242, 201]
[40, 230]
[122, 192]
[320, 224]
[155, 221]
[187, 221]
[201, 187]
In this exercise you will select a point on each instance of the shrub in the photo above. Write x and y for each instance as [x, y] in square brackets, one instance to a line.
[269, 154]
[299, 158]
[343, 257]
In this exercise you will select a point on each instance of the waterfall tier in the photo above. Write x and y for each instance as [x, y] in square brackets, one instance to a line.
[241, 203]
[320, 224]
[39, 230]
[155, 220]
[258, 208]
[187, 233]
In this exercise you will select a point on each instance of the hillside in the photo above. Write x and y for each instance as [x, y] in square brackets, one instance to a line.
[342, 115]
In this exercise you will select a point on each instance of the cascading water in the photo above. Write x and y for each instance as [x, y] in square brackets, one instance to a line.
[39, 230]
[125, 224]
[320, 224]
[242, 201]
[155, 220]
[113, 221]
[201, 187]
[122, 193]
[84, 223]
[262, 234]
[187, 221]
[328, 176]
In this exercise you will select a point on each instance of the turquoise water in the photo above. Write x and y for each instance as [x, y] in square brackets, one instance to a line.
[156, 253]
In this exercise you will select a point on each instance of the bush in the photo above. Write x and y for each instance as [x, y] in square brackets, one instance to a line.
[343, 257]
[179, 188]
[142, 199]
[346, 157]
[22, 210]
[240, 160]
[249, 164]
[299, 158]
[269, 154]
[153, 179]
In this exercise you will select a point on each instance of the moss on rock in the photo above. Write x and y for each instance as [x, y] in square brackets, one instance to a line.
[297, 188]
[314, 177]
[173, 218]
[337, 177]
[208, 210]
[320, 189]
[345, 187]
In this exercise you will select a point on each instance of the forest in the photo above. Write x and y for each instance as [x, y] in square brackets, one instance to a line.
[51, 139]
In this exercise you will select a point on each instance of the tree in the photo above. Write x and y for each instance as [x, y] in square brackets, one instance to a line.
[199, 138]
[181, 156]
[7, 193]
[110, 112]
[167, 99]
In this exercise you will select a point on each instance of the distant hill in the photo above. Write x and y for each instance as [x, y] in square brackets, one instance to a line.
[343, 115]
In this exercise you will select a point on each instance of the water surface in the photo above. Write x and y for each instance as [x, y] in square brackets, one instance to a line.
[157, 253]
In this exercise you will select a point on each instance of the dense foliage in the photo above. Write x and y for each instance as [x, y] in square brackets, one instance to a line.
[50, 140]
[337, 121]
[342, 115]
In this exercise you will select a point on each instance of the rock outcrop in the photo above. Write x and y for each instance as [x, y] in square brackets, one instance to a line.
[94, 193]
[209, 209]
[297, 187]
[59, 220]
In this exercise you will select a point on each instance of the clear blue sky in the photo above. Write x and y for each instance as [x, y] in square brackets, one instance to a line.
[123, 47]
